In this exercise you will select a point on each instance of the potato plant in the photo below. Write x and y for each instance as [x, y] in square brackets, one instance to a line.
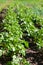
[11, 41]
[31, 24]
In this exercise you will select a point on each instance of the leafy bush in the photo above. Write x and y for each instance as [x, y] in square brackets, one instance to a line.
[11, 38]
[31, 24]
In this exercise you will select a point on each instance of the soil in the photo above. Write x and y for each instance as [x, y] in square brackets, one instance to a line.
[33, 54]
[34, 57]
[5, 59]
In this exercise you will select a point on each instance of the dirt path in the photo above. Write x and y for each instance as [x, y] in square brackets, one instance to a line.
[4, 5]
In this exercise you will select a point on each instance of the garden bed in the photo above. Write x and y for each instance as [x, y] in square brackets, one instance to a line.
[21, 32]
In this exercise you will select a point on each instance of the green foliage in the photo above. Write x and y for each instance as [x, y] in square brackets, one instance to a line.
[32, 23]
[11, 38]
[20, 24]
